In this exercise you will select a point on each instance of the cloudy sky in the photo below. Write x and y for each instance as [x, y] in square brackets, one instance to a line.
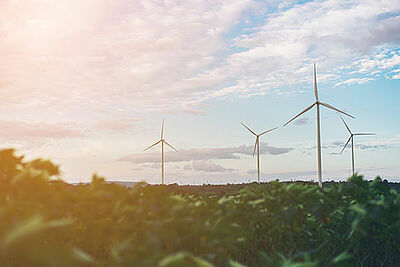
[87, 84]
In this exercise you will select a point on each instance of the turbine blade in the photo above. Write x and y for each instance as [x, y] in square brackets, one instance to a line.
[255, 145]
[346, 144]
[162, 129]
[248, 129]
[364, 134]
[304, 111]
[345, 124]
[335, 109]
[156, 143]
[268, 131]
[315, 83]
[170, 145]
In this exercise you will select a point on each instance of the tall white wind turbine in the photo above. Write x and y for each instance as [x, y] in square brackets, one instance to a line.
[352, 143]
[257, 146]
[318, 104]
[162, 141]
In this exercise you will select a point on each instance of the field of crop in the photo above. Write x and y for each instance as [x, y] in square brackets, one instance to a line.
[47, 222]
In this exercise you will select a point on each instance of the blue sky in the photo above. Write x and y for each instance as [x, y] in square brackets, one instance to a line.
[88, 84]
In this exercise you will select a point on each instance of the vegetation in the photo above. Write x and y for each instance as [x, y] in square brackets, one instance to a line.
[47, 222]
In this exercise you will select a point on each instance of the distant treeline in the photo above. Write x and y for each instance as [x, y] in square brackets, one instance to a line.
[232, 189]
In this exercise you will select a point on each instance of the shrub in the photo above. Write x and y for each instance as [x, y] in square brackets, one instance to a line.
[47, 222]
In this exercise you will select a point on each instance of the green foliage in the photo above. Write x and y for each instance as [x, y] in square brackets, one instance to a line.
[182, 259]
[46, 222]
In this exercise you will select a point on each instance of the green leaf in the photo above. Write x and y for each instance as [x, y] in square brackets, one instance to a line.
[198, 203]
[290, 186]
[235, 264]
[116, 249]
[173, 260]
[81, 255]
[256, 202]
[358, 209]
[178, 198]
[61, 222]
[199, 262]
[342, 257]
[183, 259]
[28, 227]
[224, 199]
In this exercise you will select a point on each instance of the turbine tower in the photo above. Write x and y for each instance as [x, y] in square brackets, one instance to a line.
[352, 143]
[257, 145]
[318, 104]
[162, 141]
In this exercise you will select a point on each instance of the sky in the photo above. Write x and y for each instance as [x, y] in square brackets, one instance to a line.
[88, 83]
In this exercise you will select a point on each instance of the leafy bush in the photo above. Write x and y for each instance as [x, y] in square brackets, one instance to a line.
[47, 222]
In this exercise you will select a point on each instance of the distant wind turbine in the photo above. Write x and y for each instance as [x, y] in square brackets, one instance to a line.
[257, 146]
[162, 141]
[318, 103]
[352, 143]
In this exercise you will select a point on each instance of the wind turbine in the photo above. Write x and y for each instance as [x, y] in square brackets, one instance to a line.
[257, 145]
[162, 141]
[352, 143]
[318, 104]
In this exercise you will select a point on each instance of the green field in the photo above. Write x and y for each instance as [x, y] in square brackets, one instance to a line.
[47, 222]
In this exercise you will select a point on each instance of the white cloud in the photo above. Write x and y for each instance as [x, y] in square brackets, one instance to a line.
[187, 167]
[131, 52]
[354, 81]
[24, 130]
[333, 33]
[205, 154]
[396, 77]
[364, 145]
[383, 59]
[251, 171]
[174, 54]
[115, 125]
[26, 134]
[302, 121]
[209, 166]
[191, 111]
